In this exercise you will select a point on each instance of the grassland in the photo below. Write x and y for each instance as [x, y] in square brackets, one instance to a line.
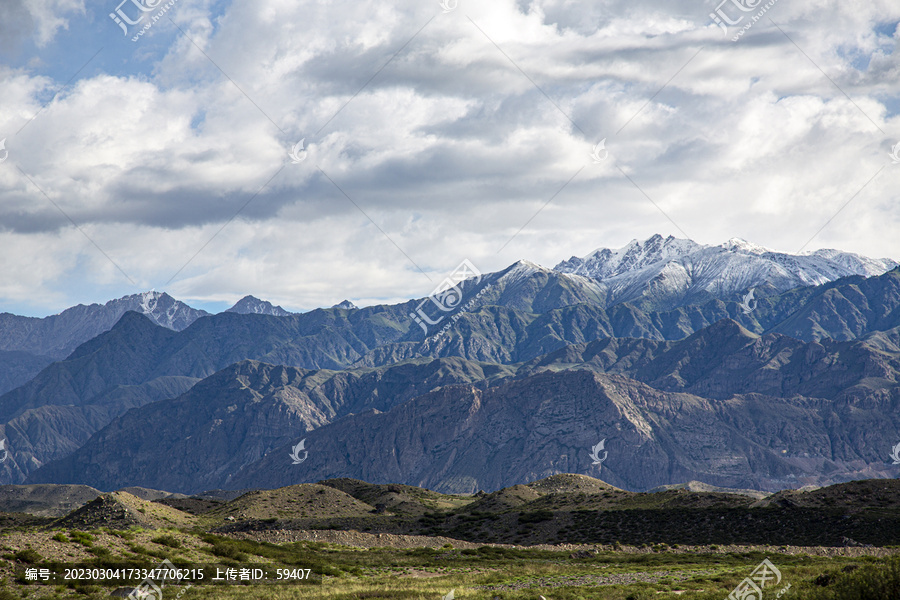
[431, 573]
[567, 537]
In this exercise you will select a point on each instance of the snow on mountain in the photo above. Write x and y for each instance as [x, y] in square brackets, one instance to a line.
[346, 304]
[605, 263]
[668, 272]
[161, 308]
[250, 305]
[57, 335]
[856, 263]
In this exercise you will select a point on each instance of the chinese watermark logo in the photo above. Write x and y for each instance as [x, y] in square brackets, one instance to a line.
[895, 454]
[144, 7]
[748, 305]
[6, 454]
[595, 453]
[723, 20]
[149, 589]
[33, 574]
[598, 149]
[4, 153]
[448, 296]
[751, 588]
[449, 5]
[298, 152]
[895, 153]
[295, 452]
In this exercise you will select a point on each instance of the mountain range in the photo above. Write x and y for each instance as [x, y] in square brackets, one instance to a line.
[660, 349]
[668, 272]
[709, 407]
[28, 344]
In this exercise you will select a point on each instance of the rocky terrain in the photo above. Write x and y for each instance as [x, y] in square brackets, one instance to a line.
[583, 512]
[710, 408]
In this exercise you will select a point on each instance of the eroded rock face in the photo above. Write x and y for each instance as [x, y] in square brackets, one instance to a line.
[463, 438]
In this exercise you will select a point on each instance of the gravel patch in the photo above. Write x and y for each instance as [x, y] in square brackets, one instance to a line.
[389, 540]
[592, 580]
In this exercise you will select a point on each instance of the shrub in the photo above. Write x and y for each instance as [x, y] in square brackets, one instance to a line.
[871, 582]
[167, 540]
[28, 556]
[226, 550]
[85, 539]
[99, 551]
[536, 516]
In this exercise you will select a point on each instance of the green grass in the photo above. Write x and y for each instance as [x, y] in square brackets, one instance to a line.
[481, 573]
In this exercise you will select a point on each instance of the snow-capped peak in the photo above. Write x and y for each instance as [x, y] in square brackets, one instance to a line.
[346, 305]
[737, 244]
[149, 300]
[635, 255]
[671, 272]
[520, 270]
[251, 305]
[160, 307]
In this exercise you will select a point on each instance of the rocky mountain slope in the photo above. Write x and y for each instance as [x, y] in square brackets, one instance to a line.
[18, 368]
[725, 359]
[237, 416]
[723, 406]
[465, 438]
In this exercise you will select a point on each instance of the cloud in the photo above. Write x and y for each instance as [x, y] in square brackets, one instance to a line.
[445, 134]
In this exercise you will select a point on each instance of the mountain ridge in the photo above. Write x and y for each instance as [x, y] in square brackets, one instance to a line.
[670, 272]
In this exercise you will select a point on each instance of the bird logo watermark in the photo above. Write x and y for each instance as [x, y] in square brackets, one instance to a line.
[4, 153]
[748, 305]
[298, 152]
[751, 588]
[598, 149]
[895, 454]
[895, 153]
[6, 454]
[449, 5]
[295, 452]
[595, 453]
[448, 296]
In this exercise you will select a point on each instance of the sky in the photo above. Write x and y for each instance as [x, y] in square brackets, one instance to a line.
[306, 151]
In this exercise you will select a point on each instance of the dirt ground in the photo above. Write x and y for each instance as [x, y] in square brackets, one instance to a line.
[387, 540]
